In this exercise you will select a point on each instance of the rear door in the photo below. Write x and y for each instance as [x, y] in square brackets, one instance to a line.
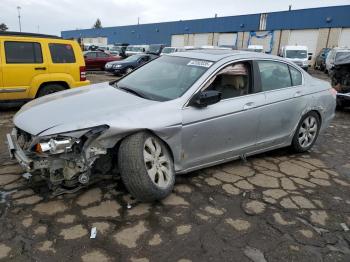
[63, 60]
[285, 101]
[22, 61]
[2, 95]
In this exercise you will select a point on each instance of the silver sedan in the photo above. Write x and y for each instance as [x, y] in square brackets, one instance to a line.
[176, 114]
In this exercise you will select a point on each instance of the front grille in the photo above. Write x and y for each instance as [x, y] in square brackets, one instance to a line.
[24, 139]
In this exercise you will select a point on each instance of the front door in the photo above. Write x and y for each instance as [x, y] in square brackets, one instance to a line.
[225, 129]
[22, 61]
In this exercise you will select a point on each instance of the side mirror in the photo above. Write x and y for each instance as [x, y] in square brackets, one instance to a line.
[206, 98]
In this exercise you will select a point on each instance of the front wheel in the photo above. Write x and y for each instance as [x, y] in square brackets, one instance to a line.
[146, 167]
[306, 133]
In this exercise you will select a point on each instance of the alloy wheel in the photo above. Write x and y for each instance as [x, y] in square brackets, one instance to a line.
[157, 163]
[308, 131]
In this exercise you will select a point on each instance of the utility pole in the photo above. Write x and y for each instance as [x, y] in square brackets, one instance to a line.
[138, 20]
[38, 27]
[19, 18]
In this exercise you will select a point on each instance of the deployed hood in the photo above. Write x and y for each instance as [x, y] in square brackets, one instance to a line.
[77, 108]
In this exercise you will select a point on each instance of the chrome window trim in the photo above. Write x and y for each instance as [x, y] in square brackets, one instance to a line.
[186, 105]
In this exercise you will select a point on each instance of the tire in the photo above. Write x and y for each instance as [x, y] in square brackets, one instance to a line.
[141, 171]
[128, 70]
[50, 89]
[308, 128]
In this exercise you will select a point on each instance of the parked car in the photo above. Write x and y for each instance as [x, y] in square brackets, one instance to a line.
[255, 48]
[320, 60]
[169, 50]
[128, 64]
[297, 54]
[118, 51]
[340, 76]
[34, 65]
[177, 113]
[136, 49]
[96, 60]
[155, 49]
[333, 56]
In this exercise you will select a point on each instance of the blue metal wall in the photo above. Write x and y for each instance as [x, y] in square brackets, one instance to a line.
[154, 33]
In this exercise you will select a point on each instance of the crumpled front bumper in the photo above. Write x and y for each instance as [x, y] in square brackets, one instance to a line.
[17, 153]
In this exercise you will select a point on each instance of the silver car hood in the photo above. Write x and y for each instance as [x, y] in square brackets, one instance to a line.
[78, 108]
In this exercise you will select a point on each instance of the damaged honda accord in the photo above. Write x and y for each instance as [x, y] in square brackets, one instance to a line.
[178, 113]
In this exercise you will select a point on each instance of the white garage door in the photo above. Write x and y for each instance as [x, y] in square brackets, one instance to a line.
[227, 39]
[178, 40]
[307, 37]
[200, 39]
[344, 40]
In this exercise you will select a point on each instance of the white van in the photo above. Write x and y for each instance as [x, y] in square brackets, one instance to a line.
[297, 54]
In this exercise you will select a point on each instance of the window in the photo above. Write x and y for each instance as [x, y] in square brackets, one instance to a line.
[101, 54]
[90, 55]
[62, 53]
[23, 53]
[232, 81]
[274, 75]
[296, 76]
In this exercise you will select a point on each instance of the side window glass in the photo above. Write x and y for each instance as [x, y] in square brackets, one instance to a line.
[62, 53]
[297, 78]
[232, 81]
[23, 53]
[100, 54]
[274, 75]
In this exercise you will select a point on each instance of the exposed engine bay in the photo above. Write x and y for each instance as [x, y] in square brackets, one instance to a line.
[66, 161]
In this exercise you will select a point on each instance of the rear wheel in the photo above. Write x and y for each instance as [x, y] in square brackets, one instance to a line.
[306, 133]
[146, 167]
[49, 89]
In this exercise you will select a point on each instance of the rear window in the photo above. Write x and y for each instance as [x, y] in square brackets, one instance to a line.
[23, 53]
[62, 53]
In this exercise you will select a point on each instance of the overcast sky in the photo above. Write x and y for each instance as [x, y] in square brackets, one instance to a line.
[53, 16]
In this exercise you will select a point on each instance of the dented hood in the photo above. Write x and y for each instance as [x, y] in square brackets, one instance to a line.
[76, 109]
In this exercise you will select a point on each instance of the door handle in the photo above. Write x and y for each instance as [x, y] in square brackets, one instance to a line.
[297, 94]
[248, 105]
[40, 68]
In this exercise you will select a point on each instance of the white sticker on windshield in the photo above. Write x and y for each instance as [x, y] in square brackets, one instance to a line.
[200, 63]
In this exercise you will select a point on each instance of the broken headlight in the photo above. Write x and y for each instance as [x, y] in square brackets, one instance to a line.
[66, 142]
[56, 145]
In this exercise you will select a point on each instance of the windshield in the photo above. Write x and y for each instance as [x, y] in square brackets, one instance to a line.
[301, 54]
[132, 58]
[165, 78]
[129, 48]
[168, 50]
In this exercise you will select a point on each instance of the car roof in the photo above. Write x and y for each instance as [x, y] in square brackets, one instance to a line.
[218, 54]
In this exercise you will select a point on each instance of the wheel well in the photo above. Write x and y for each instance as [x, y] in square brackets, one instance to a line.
[61, 83]
[117, 145]
[318, 114]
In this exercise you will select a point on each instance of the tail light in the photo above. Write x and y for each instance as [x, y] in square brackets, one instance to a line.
[82, 71]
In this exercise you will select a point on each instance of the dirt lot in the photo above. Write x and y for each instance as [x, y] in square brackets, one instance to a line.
[277, 206]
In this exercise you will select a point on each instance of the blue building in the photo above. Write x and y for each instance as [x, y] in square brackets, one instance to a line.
[315, 27]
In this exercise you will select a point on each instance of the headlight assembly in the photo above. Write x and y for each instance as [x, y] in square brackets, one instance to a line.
[56, 145]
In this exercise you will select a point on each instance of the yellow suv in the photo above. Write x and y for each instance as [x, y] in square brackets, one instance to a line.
[34, 65]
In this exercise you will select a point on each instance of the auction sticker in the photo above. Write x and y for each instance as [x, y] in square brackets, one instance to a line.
[201, 63]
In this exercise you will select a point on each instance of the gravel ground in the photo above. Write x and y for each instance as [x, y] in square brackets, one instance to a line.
[276, 206]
